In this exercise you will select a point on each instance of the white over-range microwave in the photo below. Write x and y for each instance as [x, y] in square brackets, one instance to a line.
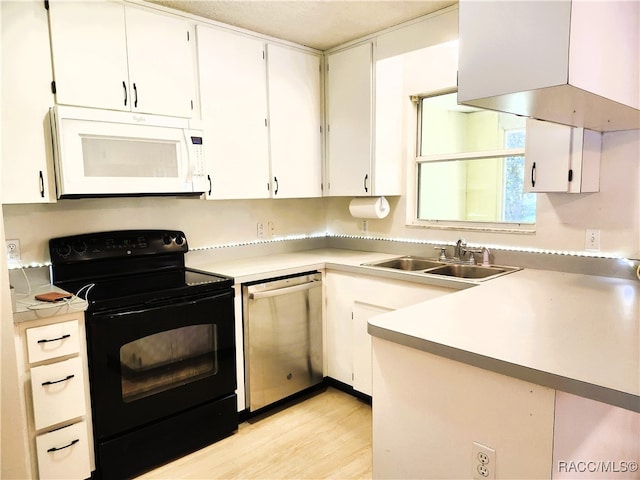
[108, 153]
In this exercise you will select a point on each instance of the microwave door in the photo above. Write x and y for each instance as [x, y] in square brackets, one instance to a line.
[107, 158]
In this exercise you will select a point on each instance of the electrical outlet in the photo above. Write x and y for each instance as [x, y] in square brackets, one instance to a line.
[483, 462]
[13, 253]
[272, 229]
[592, 239]
[260, 230]
[365, 227]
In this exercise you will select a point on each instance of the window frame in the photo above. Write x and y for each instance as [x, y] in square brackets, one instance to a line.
[413, 179]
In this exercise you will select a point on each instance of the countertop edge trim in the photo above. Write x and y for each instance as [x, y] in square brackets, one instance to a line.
[598, 393]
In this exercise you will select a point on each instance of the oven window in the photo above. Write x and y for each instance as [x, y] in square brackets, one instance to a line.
[167, 359]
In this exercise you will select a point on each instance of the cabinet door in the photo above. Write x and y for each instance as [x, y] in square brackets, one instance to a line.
[362, 373]
[294, 122]
[349, 106]
[233, 102]
[547, 156]
[161, 63]
[27, 167]
[559, 158]
[89, 51]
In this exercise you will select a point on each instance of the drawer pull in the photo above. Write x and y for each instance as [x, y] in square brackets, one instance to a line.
[68, 377]
[54, 339]
[55, 449]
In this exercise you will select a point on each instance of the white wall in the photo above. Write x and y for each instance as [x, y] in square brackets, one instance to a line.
[205, 223]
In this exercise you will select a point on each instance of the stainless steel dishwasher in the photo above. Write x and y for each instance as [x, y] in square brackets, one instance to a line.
[282, 337]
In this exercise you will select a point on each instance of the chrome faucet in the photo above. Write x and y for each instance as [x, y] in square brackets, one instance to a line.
[460, 250]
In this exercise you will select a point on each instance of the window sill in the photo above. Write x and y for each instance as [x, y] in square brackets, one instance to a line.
[509, 228]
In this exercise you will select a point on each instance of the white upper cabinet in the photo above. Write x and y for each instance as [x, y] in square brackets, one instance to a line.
[233, 103]
[295, 119]
[360, 162]
[349, 103]
[261, 116]
[569, 62]
[559, 158]
[161, 63]
[121, 57]
[27, 167]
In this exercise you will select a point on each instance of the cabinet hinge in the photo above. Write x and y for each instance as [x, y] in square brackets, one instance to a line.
[53, 86]
[46, 4]
[570, 175]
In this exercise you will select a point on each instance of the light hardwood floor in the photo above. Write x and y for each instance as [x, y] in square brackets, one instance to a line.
[325, 436]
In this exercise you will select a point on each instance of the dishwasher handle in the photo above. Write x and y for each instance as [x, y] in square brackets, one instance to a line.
[285, 290]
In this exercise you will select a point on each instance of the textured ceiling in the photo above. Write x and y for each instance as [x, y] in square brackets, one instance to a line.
[320, 24]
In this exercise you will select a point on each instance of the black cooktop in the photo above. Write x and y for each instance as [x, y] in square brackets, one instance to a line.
[127, 267]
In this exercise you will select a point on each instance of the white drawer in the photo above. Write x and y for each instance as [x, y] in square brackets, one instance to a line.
[51, 341]
[64, 453]
[58, 392]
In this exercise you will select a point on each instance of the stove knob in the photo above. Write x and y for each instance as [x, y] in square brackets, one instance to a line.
[179, 240]
[63, 249]
[166, 239]
[80, 246]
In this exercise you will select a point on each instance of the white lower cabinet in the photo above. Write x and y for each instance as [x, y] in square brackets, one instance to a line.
[352, 300]
[52, 371]
[64, 453]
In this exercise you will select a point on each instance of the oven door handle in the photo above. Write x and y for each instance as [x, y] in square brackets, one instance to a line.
[285, 290]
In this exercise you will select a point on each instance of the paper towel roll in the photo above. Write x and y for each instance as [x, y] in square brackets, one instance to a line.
[369, 207]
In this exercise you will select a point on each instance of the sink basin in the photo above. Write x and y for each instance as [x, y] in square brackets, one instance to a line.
[469, 271]
[427, 266]
[406, 263]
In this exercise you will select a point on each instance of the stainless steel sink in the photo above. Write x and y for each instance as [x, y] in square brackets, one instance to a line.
[426, 266]
[469, 271]
[408, 263]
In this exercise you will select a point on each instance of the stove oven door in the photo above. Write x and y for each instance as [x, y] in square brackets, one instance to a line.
[154, 361]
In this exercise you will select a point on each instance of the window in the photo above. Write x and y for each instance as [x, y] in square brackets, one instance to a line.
[470, 165]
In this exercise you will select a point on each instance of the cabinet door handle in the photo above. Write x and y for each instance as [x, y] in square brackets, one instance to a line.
[275, 180]
[51, 382]
[55, 449]
[41, 180]
[126, 96]
[210, 184]
[533, 174]
[135, 98]
[366, 177]
[66, 335]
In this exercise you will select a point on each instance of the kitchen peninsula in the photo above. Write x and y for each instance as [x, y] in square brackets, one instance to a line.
[502, 364]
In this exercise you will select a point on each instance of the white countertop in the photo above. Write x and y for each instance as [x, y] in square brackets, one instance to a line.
[258, 268]
[28, 308]
[572, 332]
[577, 333]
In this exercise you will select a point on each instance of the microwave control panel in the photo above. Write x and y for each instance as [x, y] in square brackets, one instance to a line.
[197, 153]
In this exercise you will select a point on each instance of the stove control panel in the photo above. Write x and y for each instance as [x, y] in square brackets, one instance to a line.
[116, 244]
